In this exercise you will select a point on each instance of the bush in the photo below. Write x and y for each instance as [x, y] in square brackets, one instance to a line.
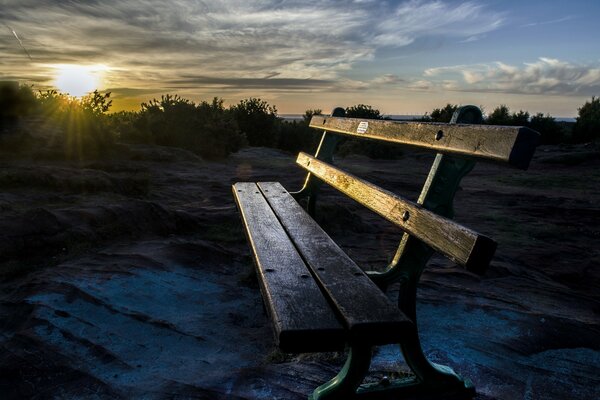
[363, 111]
[551, 132]
[257, 120]
[500, 116]
[220, 133]
[207, 129]
[308, 114]
[442, 114]
[82, 129]
[587, 126]
[16, 101]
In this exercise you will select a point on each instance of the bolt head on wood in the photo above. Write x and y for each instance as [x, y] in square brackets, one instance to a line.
[405, 216]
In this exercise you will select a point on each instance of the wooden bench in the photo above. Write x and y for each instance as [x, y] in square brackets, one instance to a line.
[320, 300]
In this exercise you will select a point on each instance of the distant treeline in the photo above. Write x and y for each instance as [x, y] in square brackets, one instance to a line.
[83, 128]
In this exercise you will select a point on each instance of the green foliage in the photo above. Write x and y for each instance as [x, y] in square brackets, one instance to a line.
[308, 114]
[16, 101]
[128, 127]
[443, 114]
[207, 129]
[363, 111]
[257, 120]
[520, 119]
[295, 136]
[60, 126]
[550, 131]
[587, 127]
[500, 116]
[96, 103]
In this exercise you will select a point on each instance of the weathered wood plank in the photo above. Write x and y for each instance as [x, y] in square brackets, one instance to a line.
[460, 244]
[512, 144]
[367, 312]
[302, 317]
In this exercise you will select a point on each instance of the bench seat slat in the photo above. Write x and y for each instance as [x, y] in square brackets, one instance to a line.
[367, 312]
[514, 145]
[462, 245]
[302, 317]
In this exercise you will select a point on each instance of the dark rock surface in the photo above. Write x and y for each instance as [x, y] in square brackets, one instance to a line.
[131, 278]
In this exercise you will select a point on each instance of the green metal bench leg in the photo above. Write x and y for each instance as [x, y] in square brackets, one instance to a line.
[347, 381]
[431, 378]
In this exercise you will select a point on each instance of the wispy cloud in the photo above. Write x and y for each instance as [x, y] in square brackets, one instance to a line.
[545, 76]
[292, 45]
[548, 22]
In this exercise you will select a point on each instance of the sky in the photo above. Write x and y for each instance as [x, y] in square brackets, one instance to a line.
[402, 57]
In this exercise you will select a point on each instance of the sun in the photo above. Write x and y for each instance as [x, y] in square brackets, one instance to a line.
[77, 80]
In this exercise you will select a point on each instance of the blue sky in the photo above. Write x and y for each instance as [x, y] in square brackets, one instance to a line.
[403, 57]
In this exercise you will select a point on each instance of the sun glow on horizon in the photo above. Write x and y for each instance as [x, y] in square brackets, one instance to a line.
[78, 80]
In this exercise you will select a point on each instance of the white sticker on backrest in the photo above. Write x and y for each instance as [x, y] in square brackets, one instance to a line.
[362, 127]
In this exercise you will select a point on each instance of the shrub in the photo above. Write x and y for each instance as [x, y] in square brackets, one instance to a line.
[82, 129]
[16, 101]
[500, 116]
[363, 111]
[207, 129]
[257, 120]
[550, 131]
[443, 114]
[308, 114]
[587, 126]
[220, 133]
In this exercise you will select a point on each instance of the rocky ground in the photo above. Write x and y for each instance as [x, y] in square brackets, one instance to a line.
[130, 277]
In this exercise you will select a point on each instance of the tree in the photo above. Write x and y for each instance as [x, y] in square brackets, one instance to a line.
[207, 129]
[257, 120]
[96, 103]
[443, 114]
[16, 101]
[363, 111]
[587, 126]
[520, 119]
[550, 131]
[500, 116]
[308, 114]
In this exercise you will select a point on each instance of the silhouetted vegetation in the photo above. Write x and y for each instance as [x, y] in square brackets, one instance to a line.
[441, 114]
[551, 132]
[587, 127]
[15, 102]
[207, 129]
[257, 120]
[61, 126]
[363, 111]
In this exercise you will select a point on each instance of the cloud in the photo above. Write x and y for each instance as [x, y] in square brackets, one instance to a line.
[553, 21]
[387, 79]
[546, 76]
[414, 19]
[297, 45]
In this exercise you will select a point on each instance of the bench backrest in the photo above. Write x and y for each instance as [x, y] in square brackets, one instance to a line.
[428, 221]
